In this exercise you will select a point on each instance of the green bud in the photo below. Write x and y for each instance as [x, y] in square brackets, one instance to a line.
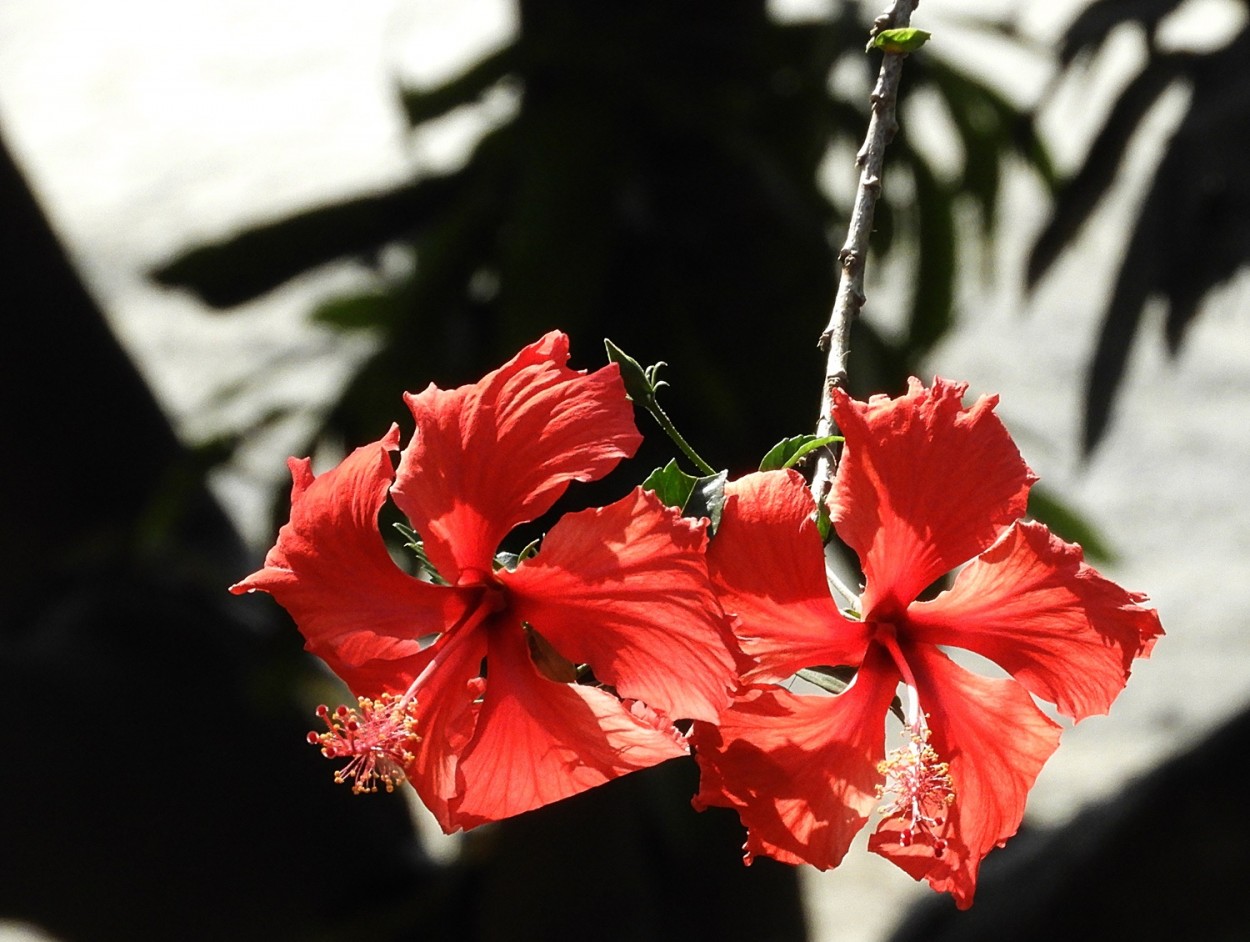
[640, 384]
[901, 41]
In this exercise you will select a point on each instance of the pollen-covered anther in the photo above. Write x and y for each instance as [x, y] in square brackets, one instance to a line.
[917, 789]
[375, 738]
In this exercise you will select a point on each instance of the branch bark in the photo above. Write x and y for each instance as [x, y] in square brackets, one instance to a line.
[835, 339]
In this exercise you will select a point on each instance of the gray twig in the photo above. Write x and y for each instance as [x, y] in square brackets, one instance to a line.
[835, 338]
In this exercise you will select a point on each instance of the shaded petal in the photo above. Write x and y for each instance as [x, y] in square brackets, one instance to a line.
[767, 564]
[996, 741]
[924, 486]
[330, 569]
[500, 452]
[624, 589]
[1032, 606]
[800, 771]
[447, 711]
[539, 741]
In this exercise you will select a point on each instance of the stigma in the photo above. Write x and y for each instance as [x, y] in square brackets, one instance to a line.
[375, 738]
[917, 789]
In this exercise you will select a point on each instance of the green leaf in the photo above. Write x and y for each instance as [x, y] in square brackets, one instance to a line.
[708, 499]
[694, 497]
[831, 679]
[824, 526]
[413, 543]
[671, 484]
[1069, 525]
[790, 451]
[899, 41]
[360, 312]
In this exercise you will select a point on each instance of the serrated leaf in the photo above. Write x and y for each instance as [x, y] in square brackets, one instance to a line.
[671, 485]
[414, 544]
[694, 497]
[790, 451]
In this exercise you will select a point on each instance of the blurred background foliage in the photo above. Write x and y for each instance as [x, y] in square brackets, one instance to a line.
[658, 183]
[1192, 231]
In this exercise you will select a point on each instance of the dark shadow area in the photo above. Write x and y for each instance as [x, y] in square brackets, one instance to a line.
[159, 786]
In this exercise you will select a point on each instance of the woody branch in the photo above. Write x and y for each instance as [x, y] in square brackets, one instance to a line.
[835, 338]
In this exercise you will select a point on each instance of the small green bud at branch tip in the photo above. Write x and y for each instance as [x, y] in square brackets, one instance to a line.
[900, 41]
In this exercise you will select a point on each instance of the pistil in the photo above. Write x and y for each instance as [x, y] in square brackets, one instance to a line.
[917, 788]
[378, 734]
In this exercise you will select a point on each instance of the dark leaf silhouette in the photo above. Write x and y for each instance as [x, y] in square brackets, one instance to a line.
[661, 173]
[1193, 230]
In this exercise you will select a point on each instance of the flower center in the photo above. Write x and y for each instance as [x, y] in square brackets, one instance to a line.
[375, 738]
[918, 788]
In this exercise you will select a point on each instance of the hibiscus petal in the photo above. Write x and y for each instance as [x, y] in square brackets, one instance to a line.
[624, 589]
[800, 771]
[996, 741]
[330, 569]
[447, 714]
[538, 741]
[500, 452]
[767, 564]
[1032, 606]
[924, 486]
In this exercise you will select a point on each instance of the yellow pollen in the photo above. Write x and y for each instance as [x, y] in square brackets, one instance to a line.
[375, 738]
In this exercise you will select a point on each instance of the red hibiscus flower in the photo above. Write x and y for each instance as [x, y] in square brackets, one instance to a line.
[925, 486]
[469, 689]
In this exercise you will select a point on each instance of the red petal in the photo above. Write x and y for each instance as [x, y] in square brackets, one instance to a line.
[624, 589]
[330, 569]
[1033, 607]
[539, 741]
[801, 771]
[768, 566]
[924, 486]
[447, 716]
[996, 741]
[489, 456]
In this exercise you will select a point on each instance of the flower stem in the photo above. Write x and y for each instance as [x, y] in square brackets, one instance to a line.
[678, 439]
[835, 338]
[642, 386]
